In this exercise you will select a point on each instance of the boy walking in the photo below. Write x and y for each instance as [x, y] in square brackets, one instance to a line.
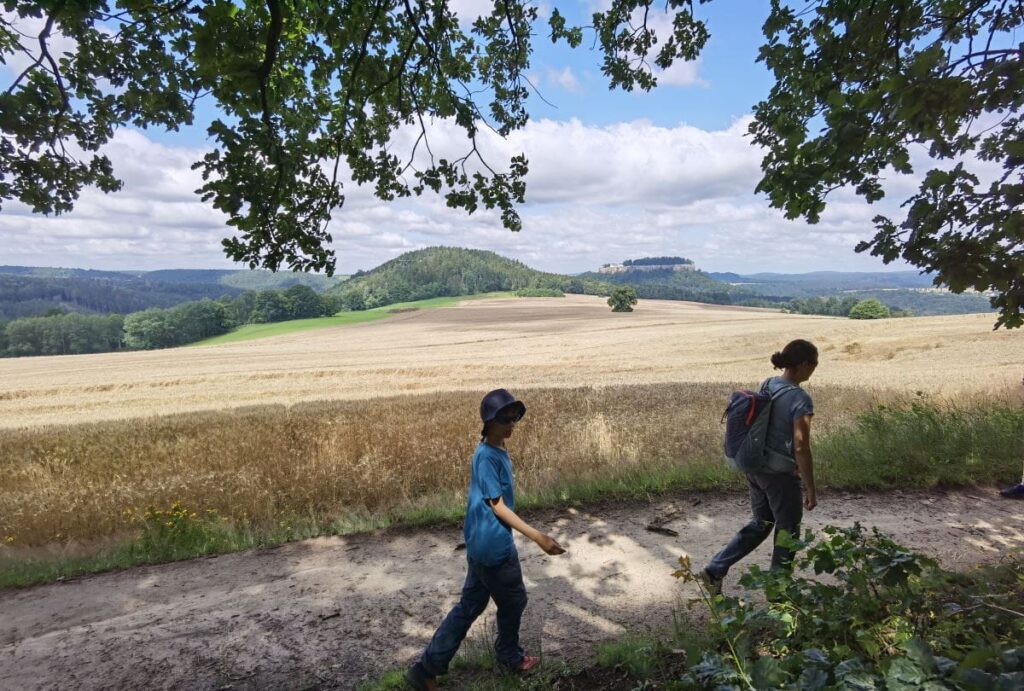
[493, 563]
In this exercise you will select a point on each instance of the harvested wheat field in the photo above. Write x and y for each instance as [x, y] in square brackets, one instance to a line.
[570, 342]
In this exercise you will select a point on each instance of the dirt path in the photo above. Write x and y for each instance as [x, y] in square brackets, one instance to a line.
[329, 612]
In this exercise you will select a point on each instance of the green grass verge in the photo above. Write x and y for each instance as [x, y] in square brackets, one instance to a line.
[919, 447]
[925, 446]
[633, 662]
[251, 332]
[481, 673]
[638, 656]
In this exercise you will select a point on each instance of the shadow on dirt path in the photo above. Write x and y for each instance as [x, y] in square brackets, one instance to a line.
[330, 612]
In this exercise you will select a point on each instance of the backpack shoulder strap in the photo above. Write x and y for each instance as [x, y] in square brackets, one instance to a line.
[785, 389]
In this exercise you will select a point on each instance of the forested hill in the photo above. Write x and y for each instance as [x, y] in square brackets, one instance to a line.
[27, 291]
[30, 296]
[449, 271]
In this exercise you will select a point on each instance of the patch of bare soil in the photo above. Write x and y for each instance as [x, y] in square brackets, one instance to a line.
[330, 612]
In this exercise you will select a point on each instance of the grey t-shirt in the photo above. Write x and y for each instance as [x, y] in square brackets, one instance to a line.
[789, 406]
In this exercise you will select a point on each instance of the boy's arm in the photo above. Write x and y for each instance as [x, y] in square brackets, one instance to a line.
[509, 517]
[804, 459]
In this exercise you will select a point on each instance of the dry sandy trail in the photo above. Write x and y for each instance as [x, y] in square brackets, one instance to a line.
[328, 612]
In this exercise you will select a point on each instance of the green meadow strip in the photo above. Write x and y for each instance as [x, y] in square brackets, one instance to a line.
[252, 332]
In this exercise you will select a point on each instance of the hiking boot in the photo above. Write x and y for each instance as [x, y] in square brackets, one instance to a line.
[1015, 492]
[712, 584]
[417, 678]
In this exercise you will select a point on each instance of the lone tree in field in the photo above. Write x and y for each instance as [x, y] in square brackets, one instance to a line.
[870, 309]
[622, 299]
[306, 88]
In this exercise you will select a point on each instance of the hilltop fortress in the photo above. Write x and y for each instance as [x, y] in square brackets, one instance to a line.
[649, 264]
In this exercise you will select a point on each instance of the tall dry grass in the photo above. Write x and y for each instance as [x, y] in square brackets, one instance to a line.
[345, 460]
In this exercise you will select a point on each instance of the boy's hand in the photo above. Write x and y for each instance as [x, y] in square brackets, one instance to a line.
[810, 500]
[548, 544]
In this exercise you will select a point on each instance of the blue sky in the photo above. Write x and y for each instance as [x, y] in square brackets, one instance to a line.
[614, 175]
[731, 80]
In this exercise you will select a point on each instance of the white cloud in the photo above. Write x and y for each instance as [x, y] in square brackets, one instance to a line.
[595, 194]
[564, 78]
[469, 10]
[681, 73]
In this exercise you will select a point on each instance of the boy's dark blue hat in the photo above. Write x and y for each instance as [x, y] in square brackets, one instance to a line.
[497, 401]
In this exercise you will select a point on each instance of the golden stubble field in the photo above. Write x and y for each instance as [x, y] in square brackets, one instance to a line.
[350, 424]
[569, 342]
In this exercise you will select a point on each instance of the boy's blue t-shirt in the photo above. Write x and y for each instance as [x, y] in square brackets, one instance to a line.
[488, 540]
[789, 406]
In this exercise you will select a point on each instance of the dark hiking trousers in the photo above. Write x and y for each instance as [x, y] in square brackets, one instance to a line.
[503, 584]
[777, 503]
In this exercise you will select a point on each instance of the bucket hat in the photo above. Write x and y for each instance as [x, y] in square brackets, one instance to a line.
[498, 400]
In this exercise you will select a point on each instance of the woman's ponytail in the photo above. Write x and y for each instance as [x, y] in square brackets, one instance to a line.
[795, 354]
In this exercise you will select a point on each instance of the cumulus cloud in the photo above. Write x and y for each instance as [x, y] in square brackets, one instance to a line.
[595, 194]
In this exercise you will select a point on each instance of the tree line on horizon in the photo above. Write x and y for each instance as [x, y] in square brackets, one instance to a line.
[850, 306]
[73, 333]
[33, 296]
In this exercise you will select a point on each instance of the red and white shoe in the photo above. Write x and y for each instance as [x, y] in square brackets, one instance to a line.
[528, 663]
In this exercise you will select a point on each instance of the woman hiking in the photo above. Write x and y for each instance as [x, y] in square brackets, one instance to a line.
[493, 563]
[775, 497]
[1017, 491]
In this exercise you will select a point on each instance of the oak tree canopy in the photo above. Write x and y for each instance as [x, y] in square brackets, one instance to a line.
[303, 88]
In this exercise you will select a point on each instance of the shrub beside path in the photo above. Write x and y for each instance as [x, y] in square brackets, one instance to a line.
[329, 612]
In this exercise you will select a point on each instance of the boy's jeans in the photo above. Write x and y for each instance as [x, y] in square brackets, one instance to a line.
[777, 502]
[502, 583]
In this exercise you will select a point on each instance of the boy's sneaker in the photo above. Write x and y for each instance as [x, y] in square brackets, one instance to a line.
[711, 584]
[1015, 492]
[528, 663]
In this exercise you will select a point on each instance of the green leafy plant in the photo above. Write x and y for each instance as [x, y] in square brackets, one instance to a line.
[883, 618]
[177, 531]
